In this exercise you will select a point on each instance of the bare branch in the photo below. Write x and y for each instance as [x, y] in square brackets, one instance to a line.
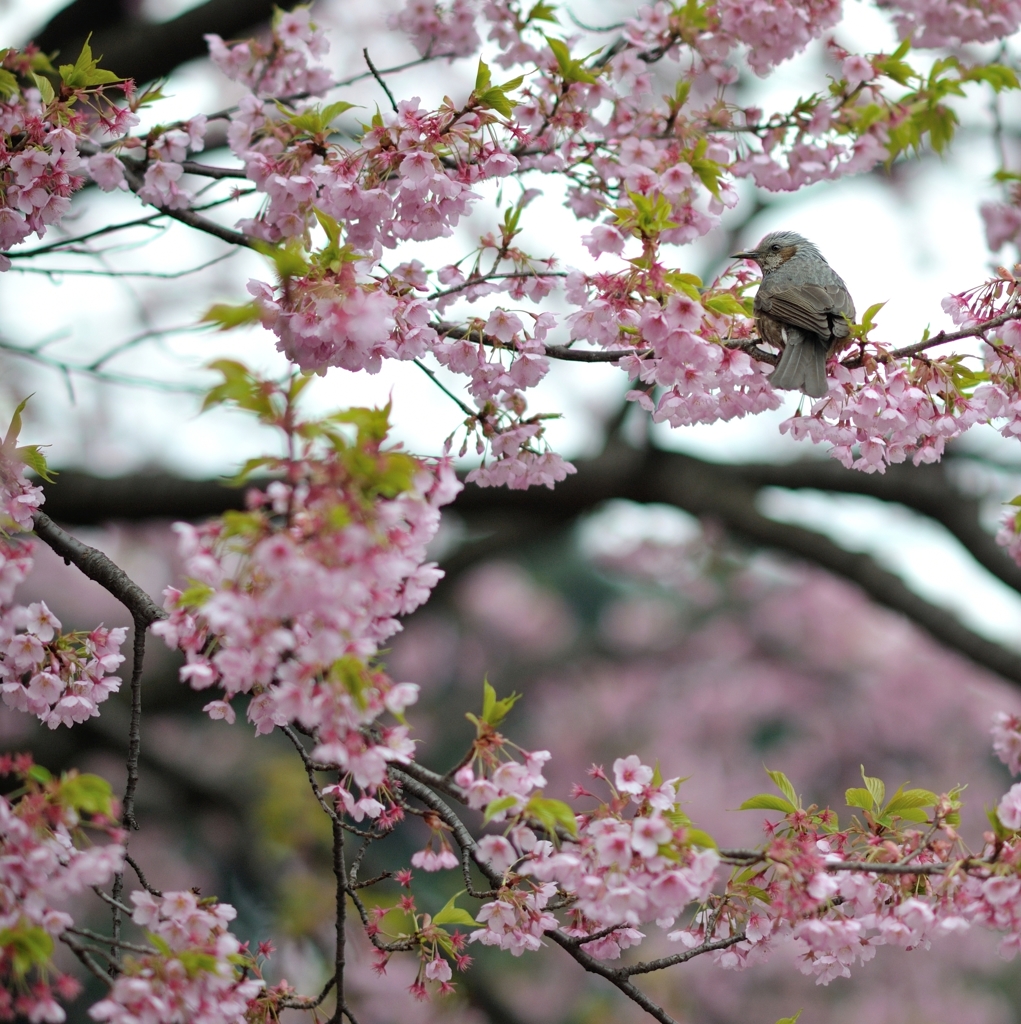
[98, 567]
[376, 75]
[85, 957]
[141, 876]
[648, 966]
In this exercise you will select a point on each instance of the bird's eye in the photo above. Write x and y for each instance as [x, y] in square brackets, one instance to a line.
[775, 248]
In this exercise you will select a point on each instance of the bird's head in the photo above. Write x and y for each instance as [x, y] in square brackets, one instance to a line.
[777, 248]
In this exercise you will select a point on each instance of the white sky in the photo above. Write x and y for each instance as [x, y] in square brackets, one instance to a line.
[909, 245]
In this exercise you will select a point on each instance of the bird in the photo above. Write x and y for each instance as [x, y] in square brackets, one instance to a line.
[802, 308]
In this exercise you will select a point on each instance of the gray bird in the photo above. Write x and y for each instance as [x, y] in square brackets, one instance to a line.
[802, 308]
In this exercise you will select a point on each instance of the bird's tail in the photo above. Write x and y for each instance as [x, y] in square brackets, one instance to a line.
[802, 365]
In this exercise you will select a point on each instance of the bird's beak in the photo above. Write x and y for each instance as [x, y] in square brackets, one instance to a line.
[750, 255]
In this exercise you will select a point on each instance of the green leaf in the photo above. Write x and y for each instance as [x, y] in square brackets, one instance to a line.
[26, 946]
[696, 837]
[790, 1020]
[31, 455]
[316, 120]
[767, 802]
[453, 914]
[14, 428]
[372, 424]
[858, 797]
[37, 773]
[90, 794]
[495, 99]
[195, 596]
[783, 784]
[542, 11]
[85, 71]
[867, 319]
[875, 786]
[9, 86]
[240, 387]
[287, 259]
[910, 799]
[495, 711]
[998, 76]
[571, 70]
[228, 317]
[494, 807]
[551, 813]
[195, 962]
[249, 467]
[725, 304]
[45, 88]
[482, 77]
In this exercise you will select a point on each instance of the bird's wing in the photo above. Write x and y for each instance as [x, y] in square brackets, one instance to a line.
[812, 307]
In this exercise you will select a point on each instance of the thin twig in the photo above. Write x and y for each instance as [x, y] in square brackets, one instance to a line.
[648, 966]
[107, 898]
[308, 1002]
[209, 171]
[102, 376]
[376, 76]
[310, 771]
[86, 933]
[583, 940]
[942, 338]
[85, 957]
[467, 410]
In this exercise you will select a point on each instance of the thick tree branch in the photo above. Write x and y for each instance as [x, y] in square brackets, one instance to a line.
[98, 567]
[146, 50]
[726, 493]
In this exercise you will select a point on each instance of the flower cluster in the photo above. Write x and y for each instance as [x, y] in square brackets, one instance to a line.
[279, 67]
[40, 133]
[193, 971]
[290, 601]
[775, 31]
[439, 30]
[953, 22]
[62, 678]
[42, 863]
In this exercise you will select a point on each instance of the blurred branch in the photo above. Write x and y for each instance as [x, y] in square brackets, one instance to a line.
[146, 50]
[725, 493]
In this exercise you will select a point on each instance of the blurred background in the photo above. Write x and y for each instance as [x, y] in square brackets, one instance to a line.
[718, 598]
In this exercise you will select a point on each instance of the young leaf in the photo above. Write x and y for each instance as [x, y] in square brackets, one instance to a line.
[9, 85]
[85, 71]
[790, 1020]
[696, 837]
[494, 807]
[858, 797]
[227, 317]
[910, 799]
[89, 793]
[767, 802]
[551, 813]
[453, 914]
[43, 84]
[875, 786]
[495, 711]
[783, 784]
[482, 77]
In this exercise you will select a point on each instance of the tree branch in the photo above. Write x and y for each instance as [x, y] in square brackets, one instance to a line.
[98, 567]
[146, 50]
